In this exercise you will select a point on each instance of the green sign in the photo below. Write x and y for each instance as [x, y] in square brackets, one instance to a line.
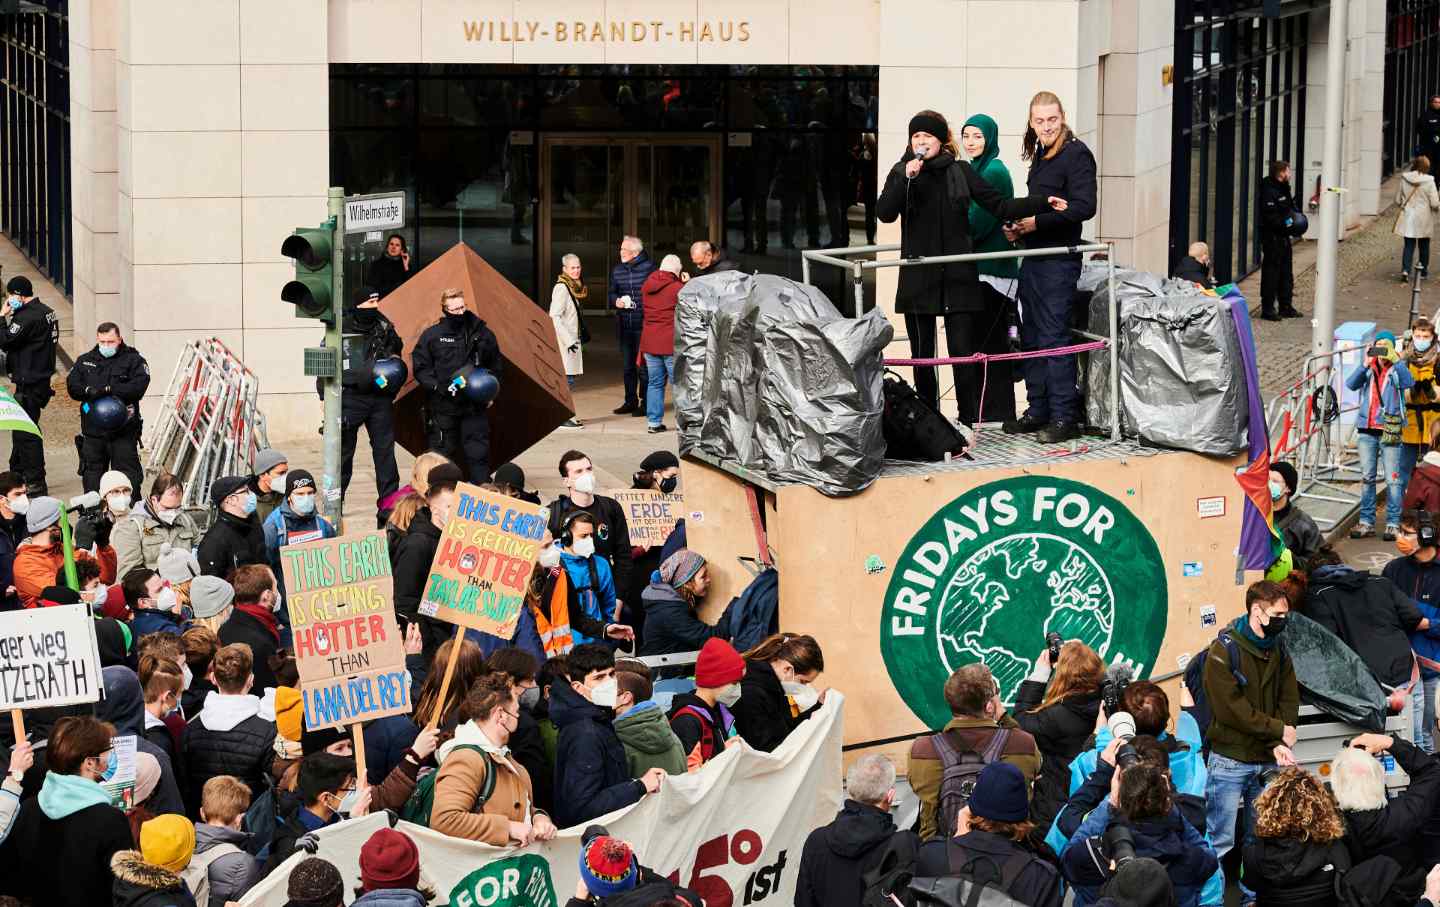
[522, 881]
[1004, 564]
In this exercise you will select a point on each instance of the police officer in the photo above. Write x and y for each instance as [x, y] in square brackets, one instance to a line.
[29, 343]
[111, 369]
[456, 427]
[366, 400]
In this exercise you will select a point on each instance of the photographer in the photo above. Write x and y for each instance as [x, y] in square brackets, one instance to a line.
[1149, 709]
[1297, 851]
[1124, 750]
[930, 189]
[1060, 717]
[1138, 819]
[1379, 428]
[1253, 723]
[1376, 824]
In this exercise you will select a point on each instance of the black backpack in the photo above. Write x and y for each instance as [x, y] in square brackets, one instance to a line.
[888, 878]
[913, 430]
[960, 770]
[1195, 679]
[964, 888]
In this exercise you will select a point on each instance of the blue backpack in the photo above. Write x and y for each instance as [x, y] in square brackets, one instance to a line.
[755, 613]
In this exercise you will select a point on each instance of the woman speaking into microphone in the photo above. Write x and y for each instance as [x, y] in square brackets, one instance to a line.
[930, 189]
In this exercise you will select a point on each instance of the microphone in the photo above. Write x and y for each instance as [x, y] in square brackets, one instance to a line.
[86, 501]
[920, 155]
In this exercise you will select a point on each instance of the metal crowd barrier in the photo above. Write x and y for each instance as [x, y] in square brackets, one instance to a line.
[838, 258]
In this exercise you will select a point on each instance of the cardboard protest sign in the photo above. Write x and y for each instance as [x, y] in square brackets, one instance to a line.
[48, 656]
[650, 514]
[484, 561]
[347, 645]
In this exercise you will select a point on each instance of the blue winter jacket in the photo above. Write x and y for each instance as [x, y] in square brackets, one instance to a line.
[527, 638]
[1392, 396]
[283, 526]
[1187, 858]
[386, 740]
[626, 278]
[594, 587]
[592, 777]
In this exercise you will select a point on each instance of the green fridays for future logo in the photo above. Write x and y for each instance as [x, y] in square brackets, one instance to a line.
[1005, 563]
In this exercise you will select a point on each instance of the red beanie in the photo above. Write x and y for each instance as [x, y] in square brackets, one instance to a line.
[389, 860]
[719, 664]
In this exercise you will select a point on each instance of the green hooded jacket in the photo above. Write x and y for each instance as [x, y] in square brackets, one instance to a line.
[984, 228]
[649, 741]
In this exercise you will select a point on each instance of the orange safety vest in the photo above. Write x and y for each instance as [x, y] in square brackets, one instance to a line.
[554, 631]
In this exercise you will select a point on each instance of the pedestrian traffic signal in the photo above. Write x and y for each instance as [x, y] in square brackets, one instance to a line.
[312, 290]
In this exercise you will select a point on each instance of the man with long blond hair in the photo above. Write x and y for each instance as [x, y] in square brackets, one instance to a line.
[1062, 165]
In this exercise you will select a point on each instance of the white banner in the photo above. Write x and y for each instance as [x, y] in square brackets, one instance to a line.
[732, 832]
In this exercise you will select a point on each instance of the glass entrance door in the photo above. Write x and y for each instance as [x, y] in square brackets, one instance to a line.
[596, 189]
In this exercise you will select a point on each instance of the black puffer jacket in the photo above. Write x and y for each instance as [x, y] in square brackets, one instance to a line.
[934, 212]
[1370, 615]
[763, 716]
[1397, 829]
[835, 855]
[141, 884]
[1060, 731]
[232, 541]
[1284, 872]
[1276, 206]
[228, 737]
[125, 375]
[672, 626]
[30, 343]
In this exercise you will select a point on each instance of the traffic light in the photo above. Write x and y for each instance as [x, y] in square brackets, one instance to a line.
[312, 290]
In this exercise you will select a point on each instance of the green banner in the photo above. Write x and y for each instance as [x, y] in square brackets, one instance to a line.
[13, 417]
[522, 881]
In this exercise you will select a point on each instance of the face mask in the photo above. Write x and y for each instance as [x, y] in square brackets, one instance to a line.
[16, 302]
[303, 504]
[550, 556]
[1276, 626]
[1406, 546]
[604, 693]
[669, 484]
[583, 547]
[185, 672]
[1277, 490]
[804, 694]
[118, 502]
[278, 603]
[1421, 345]
[168, 517]
[529, 699]
[108, 351]
[93, 597]
[586, 484]
[277, 483]
[165, 599]
[349, 802]
[729, 695]
[455, 317]
[20, 505]
[251, 502]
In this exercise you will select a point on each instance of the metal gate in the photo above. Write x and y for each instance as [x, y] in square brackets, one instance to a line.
[35, 136]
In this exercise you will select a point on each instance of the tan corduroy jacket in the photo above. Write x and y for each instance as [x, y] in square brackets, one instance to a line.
[461, 778]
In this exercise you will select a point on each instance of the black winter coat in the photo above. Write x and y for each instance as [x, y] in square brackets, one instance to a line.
[1097, 788]
[123, 705]
[764, 716]
[245, 751]
[141, 884]
[1060, 732]
[835, 855]
[671, 625]
[591, 775]
[411, 564]
[29, 343]
[1277, 205]
[448, 346]
[125, 375]
[1038, 884]
[1285, 872]
[1191, 269]
[1370, 615]
[1400, 828]
[1427, 135]
[64, 861]
[612, 537]
[231, 541]
[379, 341]
[242, 627]
[386, 273]
[1070, 174]
[934, 212]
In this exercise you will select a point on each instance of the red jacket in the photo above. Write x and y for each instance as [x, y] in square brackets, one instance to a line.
[36, 565]
[660, 293]
[1423, 492]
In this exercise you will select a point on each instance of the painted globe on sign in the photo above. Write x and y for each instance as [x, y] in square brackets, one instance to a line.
[987, 609]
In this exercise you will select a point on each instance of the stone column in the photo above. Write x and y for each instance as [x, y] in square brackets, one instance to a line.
[93, 171]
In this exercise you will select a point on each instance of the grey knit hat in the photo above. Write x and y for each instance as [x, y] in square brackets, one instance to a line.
[209, 595]
[680, 567]
[176, 565]
[44, 512]
[315, 883]
[268, 459]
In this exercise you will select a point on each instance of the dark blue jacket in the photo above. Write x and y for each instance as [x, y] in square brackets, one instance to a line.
[626, 278]
[670, 624]
[591, 775]
[1070, 174]
[1171, 841]
[149, 620]
[386, 740]
[7, 569]
[527, 638]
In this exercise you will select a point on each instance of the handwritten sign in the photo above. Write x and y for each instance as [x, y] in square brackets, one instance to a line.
[651, 515]
[48, 656]
[483, 564]
[347, 645]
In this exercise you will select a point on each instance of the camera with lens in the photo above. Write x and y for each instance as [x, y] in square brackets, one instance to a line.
[1376, 351]
[1119, 844]
[1053, 641]
[1112, 689]
[1126, 756]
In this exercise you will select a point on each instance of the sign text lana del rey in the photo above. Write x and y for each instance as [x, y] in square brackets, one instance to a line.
[347, 645]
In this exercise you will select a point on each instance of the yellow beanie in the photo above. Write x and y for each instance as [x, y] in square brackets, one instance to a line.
[288, 713]
[168, 841]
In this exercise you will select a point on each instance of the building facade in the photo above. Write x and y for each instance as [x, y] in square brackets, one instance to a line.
[203, 134]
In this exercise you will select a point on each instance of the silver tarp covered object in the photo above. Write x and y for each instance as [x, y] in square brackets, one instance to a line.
[1182, 381]
[769, 375]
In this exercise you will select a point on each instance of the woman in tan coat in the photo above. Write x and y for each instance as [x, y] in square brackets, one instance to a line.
[479, 748]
